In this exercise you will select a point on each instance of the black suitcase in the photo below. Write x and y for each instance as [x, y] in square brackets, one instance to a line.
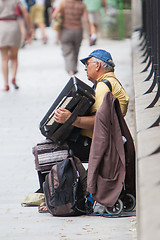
[77, 97]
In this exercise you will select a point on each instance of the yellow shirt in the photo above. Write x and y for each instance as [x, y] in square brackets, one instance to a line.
[117, 90]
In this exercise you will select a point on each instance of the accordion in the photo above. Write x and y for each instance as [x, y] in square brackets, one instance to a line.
[77, 97]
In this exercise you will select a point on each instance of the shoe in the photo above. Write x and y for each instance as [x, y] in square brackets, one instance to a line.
[39, 191]
[14, 83]
[98, 208]
[45, 40]
[90, 42]
[94, 42]
[6, 88]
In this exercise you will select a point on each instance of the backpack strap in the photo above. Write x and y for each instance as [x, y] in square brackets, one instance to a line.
[107, 83]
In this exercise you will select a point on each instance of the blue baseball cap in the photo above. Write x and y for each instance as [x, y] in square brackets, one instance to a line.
[100, 54]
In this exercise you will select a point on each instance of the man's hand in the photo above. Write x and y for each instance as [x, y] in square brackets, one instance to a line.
[86, 122]
[61, 115]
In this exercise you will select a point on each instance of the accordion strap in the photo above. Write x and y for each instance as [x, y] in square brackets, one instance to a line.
[71, 119]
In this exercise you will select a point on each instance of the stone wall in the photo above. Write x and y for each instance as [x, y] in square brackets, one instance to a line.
[147, 138]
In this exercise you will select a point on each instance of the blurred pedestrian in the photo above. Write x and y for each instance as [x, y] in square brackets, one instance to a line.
[37, 13]
[55, 4]
[93, 8]
[23, 25]
[72, 31]
[48, 12]
[10, 37]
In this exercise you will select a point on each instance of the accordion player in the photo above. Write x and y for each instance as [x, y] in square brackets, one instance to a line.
[77, 97]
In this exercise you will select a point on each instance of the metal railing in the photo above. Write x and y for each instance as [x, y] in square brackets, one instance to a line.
[150, 46]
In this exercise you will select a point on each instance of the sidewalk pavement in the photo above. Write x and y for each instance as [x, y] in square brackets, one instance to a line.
[41, 77]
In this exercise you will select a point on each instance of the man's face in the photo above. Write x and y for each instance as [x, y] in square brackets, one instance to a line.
[90, 68]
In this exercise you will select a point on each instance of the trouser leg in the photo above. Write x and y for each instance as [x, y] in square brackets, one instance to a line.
[41, 177]
[77, 44]
[81, 148]
[71, 41]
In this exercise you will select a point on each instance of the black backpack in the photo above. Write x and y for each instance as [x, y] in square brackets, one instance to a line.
[63, 190]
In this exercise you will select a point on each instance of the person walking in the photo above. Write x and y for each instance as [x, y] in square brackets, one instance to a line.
[37, 14]
[93, 8]
[72, 31]
[48, 12]
[56, 3]
[10, 37]
[23, 25]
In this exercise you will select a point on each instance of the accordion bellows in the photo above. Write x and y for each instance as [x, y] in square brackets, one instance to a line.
[48, 153]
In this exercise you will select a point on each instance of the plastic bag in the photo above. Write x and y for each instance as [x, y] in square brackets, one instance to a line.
[33, 199]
